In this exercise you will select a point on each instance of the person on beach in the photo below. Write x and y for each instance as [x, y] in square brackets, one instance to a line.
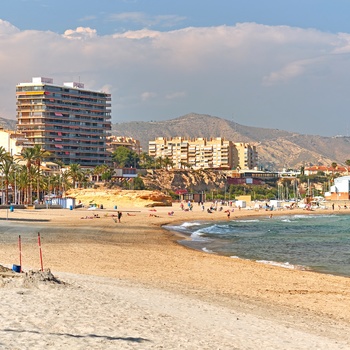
[119, 215]
[228, 214]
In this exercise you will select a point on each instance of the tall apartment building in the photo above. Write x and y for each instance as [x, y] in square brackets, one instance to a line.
[69, 121]
[197, 153]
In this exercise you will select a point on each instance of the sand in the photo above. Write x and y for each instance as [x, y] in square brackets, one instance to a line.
[130, 285]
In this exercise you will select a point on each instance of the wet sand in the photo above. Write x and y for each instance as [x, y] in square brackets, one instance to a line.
[131, 285]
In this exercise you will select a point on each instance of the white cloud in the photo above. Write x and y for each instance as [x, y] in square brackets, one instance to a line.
[7, 28]
[147, 95]
[80, 33]
[254, 72]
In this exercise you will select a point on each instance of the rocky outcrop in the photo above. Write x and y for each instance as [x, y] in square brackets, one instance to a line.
[192, 180]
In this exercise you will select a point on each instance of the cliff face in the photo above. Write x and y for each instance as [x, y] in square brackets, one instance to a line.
[196, 181]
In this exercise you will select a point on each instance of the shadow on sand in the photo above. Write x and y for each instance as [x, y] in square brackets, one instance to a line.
[25, 220]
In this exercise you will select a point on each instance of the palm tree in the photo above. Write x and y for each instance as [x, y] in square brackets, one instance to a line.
[3, 156]
[168, 163]
[7, 166]
[29, 155]
[39, 155]
[334, 166]
[75, 173]
[347, 162]
[22, 183]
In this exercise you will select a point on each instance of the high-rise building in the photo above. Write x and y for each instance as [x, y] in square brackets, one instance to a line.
[69, 121]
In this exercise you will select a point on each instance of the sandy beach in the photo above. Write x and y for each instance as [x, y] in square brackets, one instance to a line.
[130, 285]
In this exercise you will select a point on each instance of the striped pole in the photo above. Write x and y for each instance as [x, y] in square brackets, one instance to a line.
[20, 253]
[41, 254]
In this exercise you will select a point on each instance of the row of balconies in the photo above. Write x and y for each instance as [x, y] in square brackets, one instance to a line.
[69, 113]
[81, 150]
[62, 94]
[61, 123]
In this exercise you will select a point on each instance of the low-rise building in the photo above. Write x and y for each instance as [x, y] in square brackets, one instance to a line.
[113, 142]
[13, 142]
[341, 189]
[327, 170]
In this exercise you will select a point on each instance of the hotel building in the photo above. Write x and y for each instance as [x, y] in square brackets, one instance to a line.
[202, 153]
[69, 121]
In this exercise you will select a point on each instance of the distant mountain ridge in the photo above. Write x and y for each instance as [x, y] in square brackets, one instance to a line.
[277, 148]
[7, 124]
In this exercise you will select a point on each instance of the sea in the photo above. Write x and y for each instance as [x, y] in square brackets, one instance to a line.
[313, 242]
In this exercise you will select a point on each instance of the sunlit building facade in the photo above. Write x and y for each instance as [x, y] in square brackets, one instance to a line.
[69, 121]
[202, 153]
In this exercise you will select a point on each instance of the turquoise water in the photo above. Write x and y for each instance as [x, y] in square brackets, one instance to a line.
[311, 242]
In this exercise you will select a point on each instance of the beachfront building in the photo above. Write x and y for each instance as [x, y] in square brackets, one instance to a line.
[340, 190]
[69, 121]
[202, 153]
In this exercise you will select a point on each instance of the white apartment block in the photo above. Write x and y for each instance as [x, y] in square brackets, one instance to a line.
[13, 142]
[202, 153]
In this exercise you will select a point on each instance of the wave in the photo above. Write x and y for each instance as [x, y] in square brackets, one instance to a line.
[207, 250]
[252, 220]
[285, 265]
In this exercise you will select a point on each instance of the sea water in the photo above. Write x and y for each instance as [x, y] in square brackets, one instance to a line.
[310, 242]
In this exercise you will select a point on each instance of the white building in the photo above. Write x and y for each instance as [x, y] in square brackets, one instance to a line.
[13, 142]
[341, 188]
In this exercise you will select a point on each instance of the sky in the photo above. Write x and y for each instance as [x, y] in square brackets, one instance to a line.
[281, 64]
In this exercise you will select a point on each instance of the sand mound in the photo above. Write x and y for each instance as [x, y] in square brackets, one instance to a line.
[30, 279]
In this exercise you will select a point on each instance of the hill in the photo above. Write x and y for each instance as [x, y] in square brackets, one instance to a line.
[277, 148]
[7, 124]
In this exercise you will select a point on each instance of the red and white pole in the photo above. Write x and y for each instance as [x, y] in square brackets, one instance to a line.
[41, 254]
[20, 253]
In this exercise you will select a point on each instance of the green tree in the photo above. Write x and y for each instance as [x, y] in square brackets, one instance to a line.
[39, 155]
[75, 173]
[22, 183]
[103, 171]
[125, 158]
[7, 166]
[168, 163]
[3, 156]
[146, 161]
[139, 184]
[29, 155]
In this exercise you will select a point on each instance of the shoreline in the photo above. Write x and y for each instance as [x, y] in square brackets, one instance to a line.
[285, 265]
[140, 252]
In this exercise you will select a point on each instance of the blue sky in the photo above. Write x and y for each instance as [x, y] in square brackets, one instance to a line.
[60, 15]
[281, 64]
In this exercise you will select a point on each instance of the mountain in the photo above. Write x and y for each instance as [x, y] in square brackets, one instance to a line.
[7, 124]
[277, 149]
